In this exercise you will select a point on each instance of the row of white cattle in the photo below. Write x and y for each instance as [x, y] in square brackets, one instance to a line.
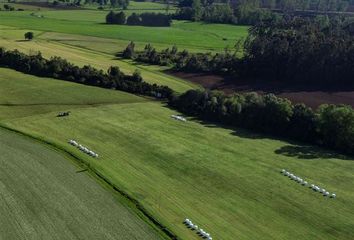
[180, 118]
[305, 183]
[83, 148]
[195, 227]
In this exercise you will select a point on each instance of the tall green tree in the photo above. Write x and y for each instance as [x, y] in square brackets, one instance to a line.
[114, 3]
[111, 17]
[29, 35]
[198, 11]
[121, 18]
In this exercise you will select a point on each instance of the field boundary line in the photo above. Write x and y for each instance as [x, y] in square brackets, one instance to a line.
[168, 234]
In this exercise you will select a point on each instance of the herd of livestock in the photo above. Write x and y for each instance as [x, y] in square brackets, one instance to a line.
[83, 148]
[305, 183]
[195, 227]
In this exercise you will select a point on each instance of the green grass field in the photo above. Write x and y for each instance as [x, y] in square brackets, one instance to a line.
[225, 180]
[186, 35]
[80, 37]
[133, 6]
[20, 92]
[11, 38]
[43, 195]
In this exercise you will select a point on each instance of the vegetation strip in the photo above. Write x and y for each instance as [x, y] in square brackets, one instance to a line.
[331, 126]
[305, 183]
[43, 196]
[202, 170]
[135, 202]
[60, 68]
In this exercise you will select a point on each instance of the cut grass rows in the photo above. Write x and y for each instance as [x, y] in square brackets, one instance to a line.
[186, 35]
[226, 180]
[81, 56]
[43, 195]
[22, 95]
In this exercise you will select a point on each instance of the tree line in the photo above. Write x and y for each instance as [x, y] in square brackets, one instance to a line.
[236, 12]
[314, 5]
[285, 5]
[330, 126]
[298, 49]
[143, 19]
[59, 68]
[220, 63]
[318, 51]
[8, 7]
[110, 3]
[251, 12]
[215, 13]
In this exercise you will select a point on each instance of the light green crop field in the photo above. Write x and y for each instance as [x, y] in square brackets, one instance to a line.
[43, 195]
[225, 180]
[24, 7]
[20, 93]
[186, 35]
[11, 38]
[132, 5]
[80, 37]
[147, 5]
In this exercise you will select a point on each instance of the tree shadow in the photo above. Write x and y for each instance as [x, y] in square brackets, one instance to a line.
[294, 149]
[238, 132]
[243, 133]
[308, 152]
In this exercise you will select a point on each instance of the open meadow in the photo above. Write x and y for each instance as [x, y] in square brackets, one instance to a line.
[159, 170]
[205, 37]
[81, 37]
[11, 38]
[227, 181]
[44, 195]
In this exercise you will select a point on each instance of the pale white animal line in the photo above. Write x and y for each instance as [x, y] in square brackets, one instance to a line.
[305, 183]
[83, 148]
[180, 118]
[200, 231]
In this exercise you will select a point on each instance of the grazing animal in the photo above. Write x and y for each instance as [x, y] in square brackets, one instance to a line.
[63, 114]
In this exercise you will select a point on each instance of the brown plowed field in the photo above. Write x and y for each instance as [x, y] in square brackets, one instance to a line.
[310, 95]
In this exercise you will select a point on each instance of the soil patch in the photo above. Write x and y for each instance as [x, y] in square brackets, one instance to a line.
[312, 96]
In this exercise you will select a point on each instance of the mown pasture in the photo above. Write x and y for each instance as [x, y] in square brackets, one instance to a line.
[44, 195]
[80, 37]
[23, 95]
[227, 181]
[11, 38]
[192, 36]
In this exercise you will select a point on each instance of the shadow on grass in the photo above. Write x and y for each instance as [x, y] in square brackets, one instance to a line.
[239, 132]
[294, 149]
[118, 56]
[308, 152]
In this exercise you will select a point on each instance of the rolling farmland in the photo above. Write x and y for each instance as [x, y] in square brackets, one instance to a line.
[44, 195]
[205, 37]
[80, 55]
[226, 180]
